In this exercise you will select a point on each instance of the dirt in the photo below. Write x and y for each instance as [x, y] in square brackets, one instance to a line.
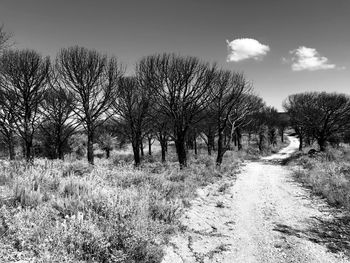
[261, 216]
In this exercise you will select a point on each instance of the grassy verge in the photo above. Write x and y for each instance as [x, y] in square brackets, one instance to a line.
[327, 174]
[70, 212]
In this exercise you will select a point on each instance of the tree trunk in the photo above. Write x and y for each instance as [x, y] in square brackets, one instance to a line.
[23, 149]
[90, 145]
[163, 149]
[263, 137]
[224, 140]
[300, 142]
[209, 149]
[28, 150]
[141, 148]
[181, 149]
[239, 139]
[11, 146]
[108, 153]
[195, 145]
[136, 150]
[149, 146]
[211, 143]
[282, 135]
[221, 149]
[261, 142]
[322, 143]
[60, 151]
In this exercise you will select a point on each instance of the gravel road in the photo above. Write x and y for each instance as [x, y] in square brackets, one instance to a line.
[261, 216]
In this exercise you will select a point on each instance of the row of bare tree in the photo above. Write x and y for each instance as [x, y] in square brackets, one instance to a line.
[169, 97]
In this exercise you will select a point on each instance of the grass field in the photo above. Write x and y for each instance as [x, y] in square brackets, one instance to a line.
[58, 211]
[326, 173]
[55, 211]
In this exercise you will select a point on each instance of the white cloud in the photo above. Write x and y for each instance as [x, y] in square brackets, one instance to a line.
[304, 58]
[245, 48]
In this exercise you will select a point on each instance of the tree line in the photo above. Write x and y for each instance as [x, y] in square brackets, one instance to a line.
[170, 97]
[319, 117]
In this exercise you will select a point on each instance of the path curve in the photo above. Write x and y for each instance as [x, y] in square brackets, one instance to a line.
[262, 216]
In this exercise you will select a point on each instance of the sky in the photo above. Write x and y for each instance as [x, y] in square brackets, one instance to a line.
[283, 47]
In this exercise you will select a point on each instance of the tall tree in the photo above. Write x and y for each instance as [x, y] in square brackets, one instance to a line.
[131, 107]
[58, 122]
[230, 102]
[92, 78]
[24, 82]
[207, 129]
[181, 87]
[162, 131]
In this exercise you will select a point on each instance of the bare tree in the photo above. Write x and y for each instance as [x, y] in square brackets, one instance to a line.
[131, 106]
[207, 129]
[181, 87]
[271, 120]
[150, 141]
[319, 114]
[149, 133]
[231, 104]
[58, 122]
[162, 131]
[24, 81]
[158, 125]
[92, 78]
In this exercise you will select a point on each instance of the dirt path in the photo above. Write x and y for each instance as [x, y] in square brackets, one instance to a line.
[263, 216]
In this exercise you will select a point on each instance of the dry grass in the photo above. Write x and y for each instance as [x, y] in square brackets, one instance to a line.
[328, 174]
[72, 212]
[56, 211]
